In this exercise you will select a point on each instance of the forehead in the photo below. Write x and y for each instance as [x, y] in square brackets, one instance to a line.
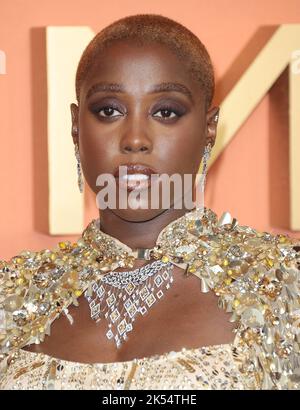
[139, 67]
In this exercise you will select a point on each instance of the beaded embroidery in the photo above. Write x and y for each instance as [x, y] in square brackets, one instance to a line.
[255, 274]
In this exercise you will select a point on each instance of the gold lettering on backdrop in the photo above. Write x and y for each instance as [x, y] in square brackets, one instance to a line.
[64, 48]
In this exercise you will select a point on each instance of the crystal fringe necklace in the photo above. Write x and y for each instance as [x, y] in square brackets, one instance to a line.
[120, 296]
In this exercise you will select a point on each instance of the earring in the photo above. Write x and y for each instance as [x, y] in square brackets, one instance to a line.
[79, 174]
[205, 158]
[216, 116]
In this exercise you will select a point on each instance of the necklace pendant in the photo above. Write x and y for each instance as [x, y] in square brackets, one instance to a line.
[120, 296]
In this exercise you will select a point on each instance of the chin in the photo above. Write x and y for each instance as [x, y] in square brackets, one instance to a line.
[137, 215]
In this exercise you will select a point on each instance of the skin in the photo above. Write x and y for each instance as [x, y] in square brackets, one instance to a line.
[140, 132]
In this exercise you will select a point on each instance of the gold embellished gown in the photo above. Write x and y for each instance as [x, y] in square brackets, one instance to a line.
[256, 276]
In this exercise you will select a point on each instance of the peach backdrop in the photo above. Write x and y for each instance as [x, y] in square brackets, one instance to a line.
[250, 179]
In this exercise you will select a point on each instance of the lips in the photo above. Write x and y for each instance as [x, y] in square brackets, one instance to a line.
[135, 169]
[134, 176]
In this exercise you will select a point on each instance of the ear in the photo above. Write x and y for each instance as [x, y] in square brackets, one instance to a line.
[75, 129]
[212, 117]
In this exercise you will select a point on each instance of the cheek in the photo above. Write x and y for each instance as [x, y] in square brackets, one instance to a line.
[182, 155]
[96, 150]
[184, 150]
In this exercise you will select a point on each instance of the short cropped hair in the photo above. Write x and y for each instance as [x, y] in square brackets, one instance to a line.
[153, 28]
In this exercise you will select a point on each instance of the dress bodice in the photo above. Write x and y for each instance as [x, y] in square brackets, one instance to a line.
[213, 367]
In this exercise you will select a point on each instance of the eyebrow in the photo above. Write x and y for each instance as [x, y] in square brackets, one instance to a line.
[157, 88]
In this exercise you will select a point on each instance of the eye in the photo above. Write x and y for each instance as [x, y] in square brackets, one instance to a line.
[108, 110]
[168, 112]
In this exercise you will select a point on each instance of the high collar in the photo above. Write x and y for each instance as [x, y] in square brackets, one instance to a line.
[95, 228]
[175, 242]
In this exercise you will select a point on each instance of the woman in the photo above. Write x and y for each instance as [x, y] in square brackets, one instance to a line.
[151, 298]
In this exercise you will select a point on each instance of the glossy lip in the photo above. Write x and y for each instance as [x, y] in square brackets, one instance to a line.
[133, 169]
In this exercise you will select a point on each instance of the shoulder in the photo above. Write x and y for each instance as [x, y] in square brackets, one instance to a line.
[35, 288]
[258, 281]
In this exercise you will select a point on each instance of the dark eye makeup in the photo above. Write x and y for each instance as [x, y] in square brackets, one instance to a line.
[109, 110]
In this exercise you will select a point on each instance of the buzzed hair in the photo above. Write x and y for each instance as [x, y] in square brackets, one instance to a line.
[153, 28]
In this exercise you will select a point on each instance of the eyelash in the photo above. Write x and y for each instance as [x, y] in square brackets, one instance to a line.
[166, 107]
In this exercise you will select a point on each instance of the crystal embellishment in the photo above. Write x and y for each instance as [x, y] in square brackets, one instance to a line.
[120, 296]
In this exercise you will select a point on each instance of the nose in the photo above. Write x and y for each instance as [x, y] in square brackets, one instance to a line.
[135, 138]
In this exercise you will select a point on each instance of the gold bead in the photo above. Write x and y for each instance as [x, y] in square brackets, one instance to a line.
[187, 257]
[225, 262]
[192, 269]
[282, 239]
[236, 303]
[62, 245]
[228, 281]
[165, 259]
[269, 262]
[78, 293]
[20, 281]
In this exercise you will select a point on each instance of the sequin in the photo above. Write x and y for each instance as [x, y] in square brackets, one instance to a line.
[186, 369]
[254, 274]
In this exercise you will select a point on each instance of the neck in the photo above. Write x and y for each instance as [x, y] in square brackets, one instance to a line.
[141, 234]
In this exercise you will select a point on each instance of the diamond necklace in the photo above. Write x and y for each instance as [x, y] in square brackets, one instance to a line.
[120, 296]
